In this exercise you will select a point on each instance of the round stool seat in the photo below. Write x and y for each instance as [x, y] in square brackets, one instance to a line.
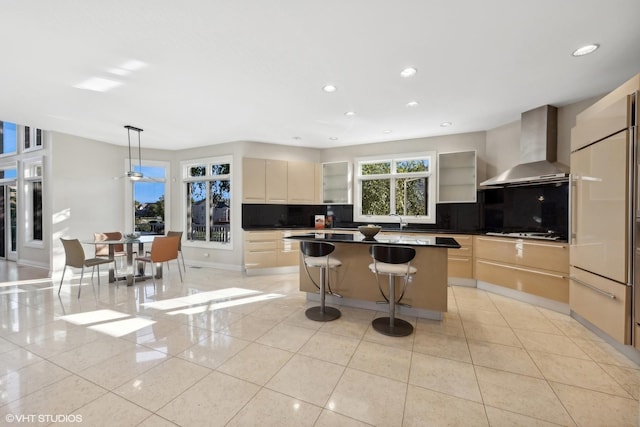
[321, 261]
[395, 269]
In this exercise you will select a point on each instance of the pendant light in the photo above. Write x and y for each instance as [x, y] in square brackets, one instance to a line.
[131, 174]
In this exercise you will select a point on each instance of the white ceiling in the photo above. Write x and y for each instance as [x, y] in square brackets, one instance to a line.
[219, 71]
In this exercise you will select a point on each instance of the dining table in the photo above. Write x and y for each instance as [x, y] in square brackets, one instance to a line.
[129, 244]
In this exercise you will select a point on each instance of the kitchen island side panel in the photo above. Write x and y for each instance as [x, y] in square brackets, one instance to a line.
[426, 290]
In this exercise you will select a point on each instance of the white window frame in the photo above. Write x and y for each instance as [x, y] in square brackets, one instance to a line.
[393, 158]
[128, 193]
[33, 132]
[32, 171]
[207, 162]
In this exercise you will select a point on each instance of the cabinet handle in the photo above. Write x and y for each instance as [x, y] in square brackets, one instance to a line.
[546, 245]
[593, 288]
[510, 267]
[452, 258]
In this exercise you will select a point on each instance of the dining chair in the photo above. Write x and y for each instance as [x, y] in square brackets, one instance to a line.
[102, 250]
[179, 235]
[75, 257]
[163, 249]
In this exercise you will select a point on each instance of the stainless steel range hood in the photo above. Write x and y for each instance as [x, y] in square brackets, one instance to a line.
[538, 151]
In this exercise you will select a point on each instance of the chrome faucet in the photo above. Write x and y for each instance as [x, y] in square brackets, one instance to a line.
[403, 223]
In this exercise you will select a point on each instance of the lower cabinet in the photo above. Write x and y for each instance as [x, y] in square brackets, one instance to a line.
[533, 267]
[269, 249]
[260, 249]
[460, 261]
[604, 303]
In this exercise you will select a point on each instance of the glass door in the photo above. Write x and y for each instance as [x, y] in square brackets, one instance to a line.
[8, 221]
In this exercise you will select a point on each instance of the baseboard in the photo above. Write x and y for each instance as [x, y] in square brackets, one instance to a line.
[627, 350]
[524, 297]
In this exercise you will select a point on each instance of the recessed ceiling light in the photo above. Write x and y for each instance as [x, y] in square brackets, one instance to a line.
[297, 138]
[445, 124]
[408, 72]
[585, 50]
[98, 84]
[412, 104]
[333, 138]
[329, 88]
[350, 113]
[386, 131]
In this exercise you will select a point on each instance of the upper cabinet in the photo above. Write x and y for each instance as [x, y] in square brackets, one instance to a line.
[276, 181]
[457, 177]
[301, 178]
[279, 182]
[253, 180]
[336, 182]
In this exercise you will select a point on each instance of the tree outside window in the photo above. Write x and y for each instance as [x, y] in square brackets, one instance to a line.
[402, 186]
[208, 191]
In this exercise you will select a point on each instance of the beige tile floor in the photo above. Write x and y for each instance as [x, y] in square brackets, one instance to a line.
[226, 349]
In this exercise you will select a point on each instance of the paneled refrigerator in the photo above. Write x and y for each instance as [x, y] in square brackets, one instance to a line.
[605, 239]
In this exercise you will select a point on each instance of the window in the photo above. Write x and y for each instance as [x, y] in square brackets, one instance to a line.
[403, 185]
[33, 184]
[33, 138]
[208, 201]
[149, 199]
[8, 138]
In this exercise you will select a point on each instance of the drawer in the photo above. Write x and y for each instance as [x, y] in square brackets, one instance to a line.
[526, 253]
[257, 236]
[260, 246]
[546, 284]
[464, 251]
[288, 258]
[289, 245]
[260, 259]
[458, 266]
[604, 303]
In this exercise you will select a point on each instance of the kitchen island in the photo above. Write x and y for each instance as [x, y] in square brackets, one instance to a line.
[426, 293]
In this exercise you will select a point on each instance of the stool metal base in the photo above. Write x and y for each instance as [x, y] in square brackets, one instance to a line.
[319, 315]
[399, 328]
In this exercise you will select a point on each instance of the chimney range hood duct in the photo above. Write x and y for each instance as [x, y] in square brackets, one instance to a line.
[538, 151]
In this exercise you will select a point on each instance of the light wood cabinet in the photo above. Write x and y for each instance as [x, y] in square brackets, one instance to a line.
[603, 302]
[457, 177]
[280, 182]
[260, 249]
[253, 178]
[539, 268]
[460, 261]
[270, 249]
[276, 181]
[301, 181]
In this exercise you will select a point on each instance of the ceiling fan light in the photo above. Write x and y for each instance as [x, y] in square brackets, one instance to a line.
[134, 176]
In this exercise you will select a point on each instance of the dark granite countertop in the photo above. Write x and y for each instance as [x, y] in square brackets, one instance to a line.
[387, 239]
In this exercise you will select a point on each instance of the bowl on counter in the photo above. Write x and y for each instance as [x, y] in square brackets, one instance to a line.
[370, 230]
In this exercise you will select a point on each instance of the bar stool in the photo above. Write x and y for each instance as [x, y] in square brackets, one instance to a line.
[316, 254]
[394, 261]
